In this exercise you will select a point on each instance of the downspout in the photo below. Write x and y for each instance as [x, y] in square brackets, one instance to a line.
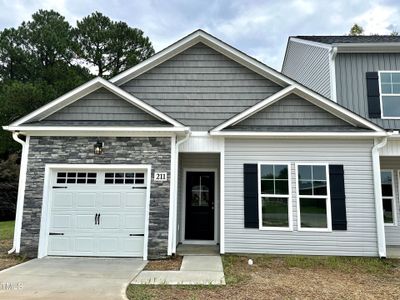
[21, 192]
[178, 143]
[332, 72]
[380, 226]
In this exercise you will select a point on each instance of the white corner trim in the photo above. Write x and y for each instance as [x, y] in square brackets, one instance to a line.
[21, 192]
[85, 89]
[332, 73]
[380, 224]
[209, 40]
[172, 200]
[222, 199]
[46, 204]
[254, 109]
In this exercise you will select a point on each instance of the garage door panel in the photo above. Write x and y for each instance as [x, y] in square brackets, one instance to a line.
[132, 246]
[111, 200]
[135, 199]
[85, 245]
[85, 222]
[62, 199]
[86, 200]
[59, 244]
[110, 221]
[134, 222]
[74, 205]
[61, 221]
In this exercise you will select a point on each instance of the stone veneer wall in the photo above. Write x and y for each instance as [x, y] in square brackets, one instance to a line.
[79, 150]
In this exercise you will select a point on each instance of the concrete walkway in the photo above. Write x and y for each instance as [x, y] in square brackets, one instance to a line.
[69, 278]
[195, 270]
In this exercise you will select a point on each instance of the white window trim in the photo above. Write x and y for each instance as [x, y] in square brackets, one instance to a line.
[393, 198]
[380, 94]
[289, 196]
[327, 197]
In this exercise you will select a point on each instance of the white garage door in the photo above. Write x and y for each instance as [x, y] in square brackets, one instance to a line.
[97, 213]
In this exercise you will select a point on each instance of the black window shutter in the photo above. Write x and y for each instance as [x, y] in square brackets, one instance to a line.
[338, 197]
[374, 105]
[250, 181]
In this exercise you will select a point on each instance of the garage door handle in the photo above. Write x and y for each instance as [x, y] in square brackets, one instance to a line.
[56, 233]
[95, 219]
[98, 220]
[139, 187]
[138, 234]
[59, 187]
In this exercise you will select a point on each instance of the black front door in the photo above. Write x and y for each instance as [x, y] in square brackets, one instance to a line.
[199, 206]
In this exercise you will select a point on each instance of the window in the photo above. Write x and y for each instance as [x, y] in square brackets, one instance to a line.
[313, 197]
[387, 196]
[274, 196]
[124, 178]
[76, 178]
[390, 93]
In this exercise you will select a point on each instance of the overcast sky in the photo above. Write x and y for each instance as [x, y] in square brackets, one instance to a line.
[259, 28]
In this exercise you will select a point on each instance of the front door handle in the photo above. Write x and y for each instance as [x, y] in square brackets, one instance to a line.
[98, 220]
[95, 219]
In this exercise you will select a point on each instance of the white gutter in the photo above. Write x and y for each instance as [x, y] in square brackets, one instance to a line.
[175, 212]
[21, 192]
[380, 225]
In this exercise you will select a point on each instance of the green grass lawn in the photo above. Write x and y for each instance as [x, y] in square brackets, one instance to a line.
[6, 230]
[290, 277]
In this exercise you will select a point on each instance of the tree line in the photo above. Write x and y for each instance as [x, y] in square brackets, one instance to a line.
[46, 57]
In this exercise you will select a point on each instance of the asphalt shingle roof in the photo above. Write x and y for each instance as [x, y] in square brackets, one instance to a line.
[343, 39]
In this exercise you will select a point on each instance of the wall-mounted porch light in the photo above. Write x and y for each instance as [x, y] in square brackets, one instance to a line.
[98, 148]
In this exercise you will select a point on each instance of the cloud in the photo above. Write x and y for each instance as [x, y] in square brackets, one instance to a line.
[259, 28]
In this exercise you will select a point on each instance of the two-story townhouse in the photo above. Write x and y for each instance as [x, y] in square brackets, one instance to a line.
[361, 73]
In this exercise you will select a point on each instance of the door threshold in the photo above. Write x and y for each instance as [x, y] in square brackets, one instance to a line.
[199, 242]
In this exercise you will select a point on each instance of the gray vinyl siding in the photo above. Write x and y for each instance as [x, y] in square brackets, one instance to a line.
[201, 88]
[308, 65]
[293, 112]
[359, 240]
[392, 233]
[194, 161]
[351, 81]
[102, 106]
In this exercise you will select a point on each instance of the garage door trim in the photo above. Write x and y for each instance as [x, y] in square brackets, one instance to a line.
[46, 206]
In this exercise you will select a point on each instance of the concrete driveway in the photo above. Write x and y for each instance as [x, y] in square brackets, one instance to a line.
[70, 278]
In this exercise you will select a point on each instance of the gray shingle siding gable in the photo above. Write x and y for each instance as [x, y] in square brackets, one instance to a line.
[293, 113]
[351, 81]
[102, 107]
[308, 65]
[201, 88]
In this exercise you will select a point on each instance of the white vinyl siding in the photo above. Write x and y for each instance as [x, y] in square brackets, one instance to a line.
[359, 239]
[308, 65]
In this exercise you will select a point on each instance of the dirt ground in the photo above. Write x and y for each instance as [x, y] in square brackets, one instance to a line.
[291, 277]
[172, 264]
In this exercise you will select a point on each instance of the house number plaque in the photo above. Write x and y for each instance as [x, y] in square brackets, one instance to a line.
[160, 176]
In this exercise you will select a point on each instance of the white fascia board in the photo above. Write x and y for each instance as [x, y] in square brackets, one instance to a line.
[214, 43]
[368, 47]
[251, 134]
[256, 108]
[86, 89]
[97, 131]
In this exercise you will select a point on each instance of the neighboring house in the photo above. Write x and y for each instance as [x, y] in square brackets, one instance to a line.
[198, 144]
[361, 73]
